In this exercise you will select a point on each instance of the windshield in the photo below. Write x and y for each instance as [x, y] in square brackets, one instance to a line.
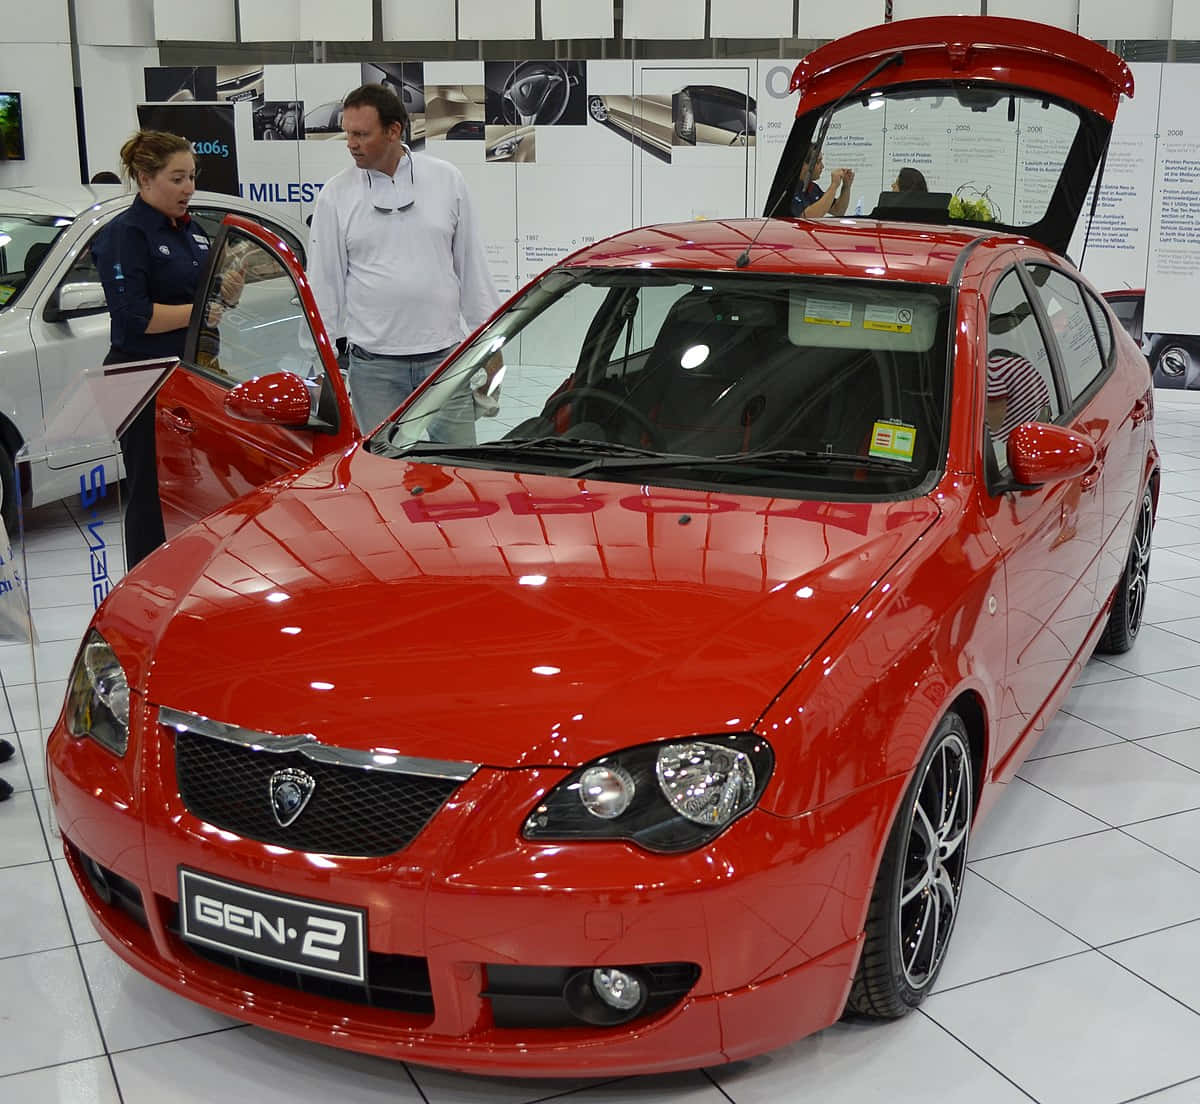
[785, 384]
[958, 151]
[24, 242]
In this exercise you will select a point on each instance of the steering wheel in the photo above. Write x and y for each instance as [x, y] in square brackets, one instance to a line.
[556, 401]
[536, 92]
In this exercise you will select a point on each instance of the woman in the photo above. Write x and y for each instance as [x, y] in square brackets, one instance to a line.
[150, 258]
[814, 201]
[909, 180]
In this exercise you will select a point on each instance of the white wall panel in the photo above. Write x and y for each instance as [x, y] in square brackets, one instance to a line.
[115, 22]
[193, 21]
[1120, 19]
[34, 22]
[822, 19]
[578, 19]
[270, 20]
[664, 18]
[495, 19]
[113, 86]
[1058, 13]
[751, 18]
[911, 9]
[41, 72]
[345, 21]
[428, 21]
[1185, 20]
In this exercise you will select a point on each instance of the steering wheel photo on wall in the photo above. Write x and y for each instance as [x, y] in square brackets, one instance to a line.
[537, 93]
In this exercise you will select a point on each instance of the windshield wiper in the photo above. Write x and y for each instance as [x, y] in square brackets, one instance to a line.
[773, 458]
[532, 445]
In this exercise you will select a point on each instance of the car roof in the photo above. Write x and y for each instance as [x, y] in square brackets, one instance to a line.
[65, 200]
[71, 200]
[859, 248]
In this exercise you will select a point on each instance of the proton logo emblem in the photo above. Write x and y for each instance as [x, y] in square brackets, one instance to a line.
[290, 791]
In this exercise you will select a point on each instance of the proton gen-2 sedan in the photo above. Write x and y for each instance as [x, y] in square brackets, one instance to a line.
[626, 701]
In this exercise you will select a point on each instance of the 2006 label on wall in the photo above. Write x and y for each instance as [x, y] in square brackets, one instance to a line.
[300, 934]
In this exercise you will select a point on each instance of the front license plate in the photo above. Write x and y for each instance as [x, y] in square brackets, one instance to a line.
[310, 936]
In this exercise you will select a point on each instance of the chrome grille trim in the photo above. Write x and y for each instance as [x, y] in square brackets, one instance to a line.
[311, 748]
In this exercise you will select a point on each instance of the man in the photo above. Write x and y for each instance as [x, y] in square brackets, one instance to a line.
[394, 258]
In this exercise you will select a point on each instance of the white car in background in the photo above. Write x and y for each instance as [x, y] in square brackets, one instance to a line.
[53, 318]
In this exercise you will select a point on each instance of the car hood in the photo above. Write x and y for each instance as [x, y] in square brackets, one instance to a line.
[977, 57]
[500, 618]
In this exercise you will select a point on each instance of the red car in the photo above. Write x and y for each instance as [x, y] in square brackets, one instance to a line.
[625, 703]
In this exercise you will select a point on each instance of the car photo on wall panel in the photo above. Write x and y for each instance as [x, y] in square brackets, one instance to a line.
[407, 80]
[239, 82]
[165, 83]
[278, 120]
[696, 115]
[455, 112]
[536, 93]
[515, 144]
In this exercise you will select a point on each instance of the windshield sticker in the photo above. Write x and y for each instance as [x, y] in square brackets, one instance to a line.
[6, 293]
[893, 440]
[891, 319]
[827, 312]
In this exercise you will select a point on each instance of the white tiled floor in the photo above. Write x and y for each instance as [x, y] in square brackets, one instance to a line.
[1074, 975]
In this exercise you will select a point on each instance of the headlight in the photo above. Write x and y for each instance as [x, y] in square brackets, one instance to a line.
[665, 797]
[98, 696]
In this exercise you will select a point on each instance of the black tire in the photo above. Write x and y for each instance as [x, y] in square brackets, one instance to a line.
[1129, 601]
[8, 491]
[916, 896]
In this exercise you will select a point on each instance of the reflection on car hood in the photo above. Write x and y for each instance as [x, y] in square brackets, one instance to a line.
[503, 618]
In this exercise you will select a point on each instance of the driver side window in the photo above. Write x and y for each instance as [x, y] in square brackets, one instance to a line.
[253, 321]
[1020, 380]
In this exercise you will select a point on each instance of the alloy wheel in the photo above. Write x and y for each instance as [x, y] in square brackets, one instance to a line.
[1138, 575]
[935, 862]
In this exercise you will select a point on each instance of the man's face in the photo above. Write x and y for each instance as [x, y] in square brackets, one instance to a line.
[371, 144]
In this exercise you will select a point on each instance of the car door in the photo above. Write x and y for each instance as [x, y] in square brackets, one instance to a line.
[1049, 537]
[206, 456]
[1111, 406]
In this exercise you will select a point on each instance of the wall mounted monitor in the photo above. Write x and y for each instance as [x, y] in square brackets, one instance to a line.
[12, 132]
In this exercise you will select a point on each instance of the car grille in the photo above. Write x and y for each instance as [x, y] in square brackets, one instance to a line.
[352, 811]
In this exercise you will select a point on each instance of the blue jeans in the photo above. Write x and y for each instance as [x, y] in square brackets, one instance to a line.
[379, 384]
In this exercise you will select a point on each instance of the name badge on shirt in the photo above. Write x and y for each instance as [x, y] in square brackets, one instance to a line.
[164, 250]
[200, 240]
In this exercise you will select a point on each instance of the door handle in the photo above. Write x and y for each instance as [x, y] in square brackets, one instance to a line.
[177, 420]
[1140, 412]
[1091, 477]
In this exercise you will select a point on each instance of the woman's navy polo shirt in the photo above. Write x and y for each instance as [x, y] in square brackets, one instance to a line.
[802, 201]
[143, 257]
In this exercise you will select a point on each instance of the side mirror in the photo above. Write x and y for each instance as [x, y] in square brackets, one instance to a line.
[279, 398]
[75, 299]
[1039, 453]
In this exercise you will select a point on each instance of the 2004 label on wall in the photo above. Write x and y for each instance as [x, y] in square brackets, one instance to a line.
[718, 637]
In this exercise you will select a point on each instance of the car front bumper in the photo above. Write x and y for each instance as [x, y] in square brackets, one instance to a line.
[770, 915]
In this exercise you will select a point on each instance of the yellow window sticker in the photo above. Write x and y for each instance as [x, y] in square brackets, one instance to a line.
[890, 319]
[893, 440]
[6, 292]
[827, 312]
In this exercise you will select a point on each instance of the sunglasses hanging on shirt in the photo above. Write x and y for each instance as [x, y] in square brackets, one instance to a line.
[393, 193]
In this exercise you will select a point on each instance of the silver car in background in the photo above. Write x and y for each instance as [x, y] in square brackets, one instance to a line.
[53, 317]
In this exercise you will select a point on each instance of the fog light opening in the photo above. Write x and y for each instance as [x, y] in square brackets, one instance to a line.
[97, 878]
[606, 996]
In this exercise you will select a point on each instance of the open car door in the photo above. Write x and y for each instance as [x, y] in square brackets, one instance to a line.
[258, 392]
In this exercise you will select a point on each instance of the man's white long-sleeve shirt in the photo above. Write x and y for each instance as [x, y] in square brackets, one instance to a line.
[399, 282]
